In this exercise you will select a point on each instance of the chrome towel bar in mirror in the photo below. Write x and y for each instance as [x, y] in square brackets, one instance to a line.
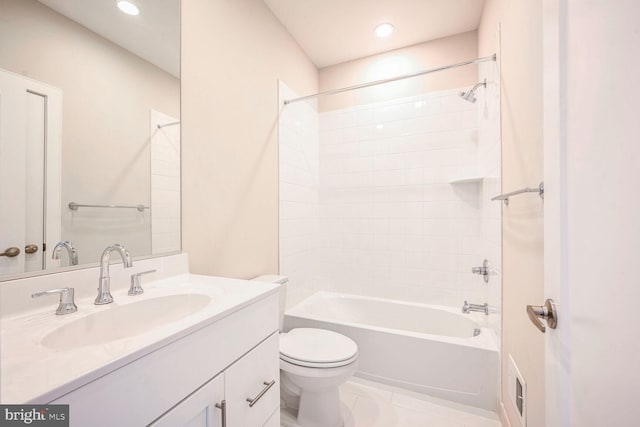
[74, 206]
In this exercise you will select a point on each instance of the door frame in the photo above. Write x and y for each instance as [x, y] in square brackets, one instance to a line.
[555, 207]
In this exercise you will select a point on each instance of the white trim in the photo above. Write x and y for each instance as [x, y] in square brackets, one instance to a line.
[502, 413]
[555, 205]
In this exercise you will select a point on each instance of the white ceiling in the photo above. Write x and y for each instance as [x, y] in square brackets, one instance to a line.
[154, 35]
[334, 31]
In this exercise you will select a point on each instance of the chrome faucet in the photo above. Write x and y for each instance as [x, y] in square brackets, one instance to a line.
[104, 285]
[482, 308]
[71, 250]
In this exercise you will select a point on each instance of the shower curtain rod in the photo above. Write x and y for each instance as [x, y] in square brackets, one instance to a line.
[168, 124]
[392, 79]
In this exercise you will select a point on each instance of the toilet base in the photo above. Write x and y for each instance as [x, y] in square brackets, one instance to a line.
[312, 394]
[320, 409]
[310, 408]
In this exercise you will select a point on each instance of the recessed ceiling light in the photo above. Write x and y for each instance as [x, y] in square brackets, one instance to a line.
[128, 7]
[384, 30]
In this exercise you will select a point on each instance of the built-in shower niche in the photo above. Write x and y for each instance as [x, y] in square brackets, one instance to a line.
[391, 223]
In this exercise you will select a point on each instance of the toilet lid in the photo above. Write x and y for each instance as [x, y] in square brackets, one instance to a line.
[317, 347]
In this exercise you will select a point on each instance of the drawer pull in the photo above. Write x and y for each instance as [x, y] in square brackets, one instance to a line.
[223, 409]
[259, 396]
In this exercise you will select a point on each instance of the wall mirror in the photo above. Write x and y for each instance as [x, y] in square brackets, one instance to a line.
[89, 131]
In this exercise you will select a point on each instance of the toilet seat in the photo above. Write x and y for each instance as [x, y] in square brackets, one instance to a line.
[317, 348]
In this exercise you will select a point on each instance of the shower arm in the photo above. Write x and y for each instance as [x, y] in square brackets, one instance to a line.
[484, 83]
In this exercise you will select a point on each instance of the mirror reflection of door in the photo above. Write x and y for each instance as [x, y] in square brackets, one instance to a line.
[30, 113]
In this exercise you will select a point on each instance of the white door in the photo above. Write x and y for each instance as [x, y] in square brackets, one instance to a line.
[30, 116]
[592, 210]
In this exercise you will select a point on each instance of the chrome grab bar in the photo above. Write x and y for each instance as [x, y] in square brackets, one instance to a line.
[505, 197]
[262, 393]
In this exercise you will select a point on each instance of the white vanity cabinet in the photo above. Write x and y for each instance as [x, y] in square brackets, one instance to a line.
[225, 397]
[202, 409]
[179, 383]
[255, 377]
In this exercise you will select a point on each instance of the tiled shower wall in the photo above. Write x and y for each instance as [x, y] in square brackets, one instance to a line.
[400, 207]
[392, 223]
[298, 168]
[165, 184]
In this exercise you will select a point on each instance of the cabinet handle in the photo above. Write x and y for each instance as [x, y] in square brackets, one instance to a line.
[223, 409]
[259, 396]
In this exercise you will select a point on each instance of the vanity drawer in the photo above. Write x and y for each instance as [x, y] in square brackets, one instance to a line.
[256, 376]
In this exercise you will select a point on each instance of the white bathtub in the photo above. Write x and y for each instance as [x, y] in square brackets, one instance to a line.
[426, 348]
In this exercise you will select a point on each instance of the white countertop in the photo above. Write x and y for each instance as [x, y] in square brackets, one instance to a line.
[32, 373]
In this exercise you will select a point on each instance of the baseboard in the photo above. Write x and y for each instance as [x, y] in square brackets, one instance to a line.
[504, 420]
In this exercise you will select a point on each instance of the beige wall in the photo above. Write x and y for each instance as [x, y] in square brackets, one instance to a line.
[522, 165]
[423, 56]
[233, 53]
[107, 96]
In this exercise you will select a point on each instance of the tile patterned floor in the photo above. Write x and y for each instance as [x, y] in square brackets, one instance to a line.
[369, 404]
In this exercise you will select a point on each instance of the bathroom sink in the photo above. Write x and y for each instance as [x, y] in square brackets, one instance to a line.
[123, 321]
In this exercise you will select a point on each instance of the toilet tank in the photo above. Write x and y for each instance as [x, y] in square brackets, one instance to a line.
[282, 280]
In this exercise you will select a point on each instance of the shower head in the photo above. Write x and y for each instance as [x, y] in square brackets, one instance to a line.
[470, 95]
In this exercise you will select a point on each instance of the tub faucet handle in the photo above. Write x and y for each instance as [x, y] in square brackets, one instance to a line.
[465, 307]
[483, 271]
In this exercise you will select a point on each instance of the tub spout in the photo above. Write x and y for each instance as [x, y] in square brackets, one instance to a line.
[482, 308]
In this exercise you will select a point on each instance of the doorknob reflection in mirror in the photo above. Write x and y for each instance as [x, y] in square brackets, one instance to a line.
[31, 249]
[11, 252]
[547, 312]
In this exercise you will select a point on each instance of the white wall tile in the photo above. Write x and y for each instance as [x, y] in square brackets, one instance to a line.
[375, 210]
[299, 138]
[398, 210]
[165, 184]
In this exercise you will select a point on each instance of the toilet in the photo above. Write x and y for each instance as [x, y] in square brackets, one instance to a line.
[313, 364]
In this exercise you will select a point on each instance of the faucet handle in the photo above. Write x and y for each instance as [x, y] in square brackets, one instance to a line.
[67, 304]
[136, 282]
[483, 271]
